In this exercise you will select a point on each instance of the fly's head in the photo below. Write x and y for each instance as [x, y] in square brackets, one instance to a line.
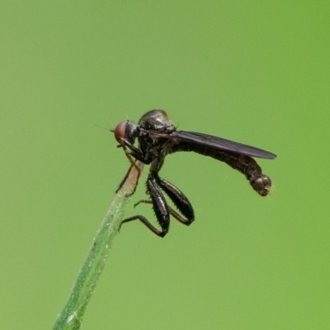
[126, 131]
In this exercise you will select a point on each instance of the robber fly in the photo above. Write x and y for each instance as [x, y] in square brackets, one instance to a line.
[157, 137]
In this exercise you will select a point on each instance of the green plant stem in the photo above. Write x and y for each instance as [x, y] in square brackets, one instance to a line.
[72, 313]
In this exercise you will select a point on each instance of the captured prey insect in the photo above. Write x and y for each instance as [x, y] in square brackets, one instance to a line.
[157, 137]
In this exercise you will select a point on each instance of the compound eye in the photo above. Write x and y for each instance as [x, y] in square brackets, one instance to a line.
[120, 131]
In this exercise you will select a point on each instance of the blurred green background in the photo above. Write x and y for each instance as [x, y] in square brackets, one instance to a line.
[256, 72]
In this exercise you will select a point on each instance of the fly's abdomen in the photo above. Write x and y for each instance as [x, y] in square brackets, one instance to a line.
[245, 164]
[260, 182]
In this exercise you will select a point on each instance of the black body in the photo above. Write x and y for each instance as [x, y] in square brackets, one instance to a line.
[157, 137]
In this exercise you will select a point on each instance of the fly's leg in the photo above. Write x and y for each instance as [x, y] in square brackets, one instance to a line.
[179, 200]
[173, 213]
[134, 152]
[145, 201]
[160, 208]
[180, 218]
[146, 222]
[177, 197]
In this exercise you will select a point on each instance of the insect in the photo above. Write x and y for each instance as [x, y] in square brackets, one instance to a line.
[157, 137]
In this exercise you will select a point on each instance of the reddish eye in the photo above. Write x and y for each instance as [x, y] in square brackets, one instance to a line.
[119, 131]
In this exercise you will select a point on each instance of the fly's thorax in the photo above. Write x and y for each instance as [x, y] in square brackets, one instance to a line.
[156, 121]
